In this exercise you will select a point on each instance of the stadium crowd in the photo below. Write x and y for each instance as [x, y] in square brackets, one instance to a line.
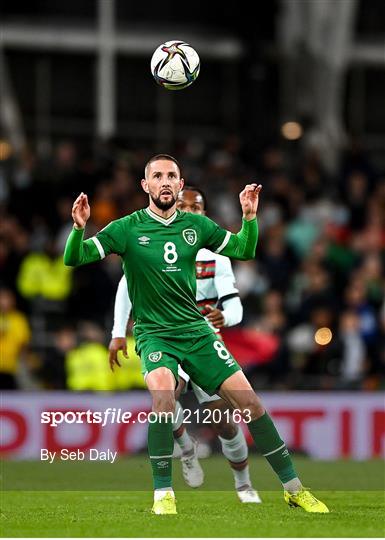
[316, 287]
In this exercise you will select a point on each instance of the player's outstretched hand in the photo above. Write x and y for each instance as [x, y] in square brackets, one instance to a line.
[249, 199]
[215, 316]
[81, 211]
[117, 344]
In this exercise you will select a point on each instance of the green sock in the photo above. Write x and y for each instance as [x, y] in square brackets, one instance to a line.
[272, 447]
[160, 449]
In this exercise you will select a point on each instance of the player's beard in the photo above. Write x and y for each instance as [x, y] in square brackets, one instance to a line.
[163, 205]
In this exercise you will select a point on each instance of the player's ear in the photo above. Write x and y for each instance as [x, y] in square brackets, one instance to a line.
[144, 185]
[181, 184]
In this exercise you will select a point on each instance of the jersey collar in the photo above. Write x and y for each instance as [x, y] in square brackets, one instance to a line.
[167, 221]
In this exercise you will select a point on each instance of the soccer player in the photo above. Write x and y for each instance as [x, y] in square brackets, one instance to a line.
[215, 287]
[158, 246]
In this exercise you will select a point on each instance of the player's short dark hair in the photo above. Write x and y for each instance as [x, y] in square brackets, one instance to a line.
[198, 190]
[165, 157]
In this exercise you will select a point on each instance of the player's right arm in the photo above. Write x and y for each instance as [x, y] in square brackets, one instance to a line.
[79, 251]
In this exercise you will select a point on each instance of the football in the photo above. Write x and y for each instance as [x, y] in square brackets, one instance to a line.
[175, 65]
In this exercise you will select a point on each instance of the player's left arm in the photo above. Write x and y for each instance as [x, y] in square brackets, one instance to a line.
[241, 245]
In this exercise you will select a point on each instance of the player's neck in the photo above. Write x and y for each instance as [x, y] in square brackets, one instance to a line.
[165, 214]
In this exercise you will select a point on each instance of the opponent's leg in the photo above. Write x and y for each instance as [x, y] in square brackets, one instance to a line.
[237, 391]
[234, 448]
[191, 469]
[161, 384]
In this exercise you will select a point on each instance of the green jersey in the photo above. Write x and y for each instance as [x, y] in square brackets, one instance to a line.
[159, 263]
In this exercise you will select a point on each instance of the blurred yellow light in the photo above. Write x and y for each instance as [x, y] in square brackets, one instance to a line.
[292, 131]
[323, 336]
[5, 150]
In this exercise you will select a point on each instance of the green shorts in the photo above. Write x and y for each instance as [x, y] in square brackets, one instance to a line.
[203, 357]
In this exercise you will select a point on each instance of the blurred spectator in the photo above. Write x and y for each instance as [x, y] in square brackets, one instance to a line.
[64, 209]
[312, 177]
[104, 209]
[273, 320]
[14, 244]
[63, 171]
[86, 366]
[251, 283]
[93, 291]
[53, 370]
[247, 278]
[309, 289]
[43, 274]
[371, 273]
[316, 351]
[353, 355]
[273, 317]
[381, 344]
[356, 299]
[122, 188]
[277, 259]
[302, 233]
[14, 338]
[355, 196]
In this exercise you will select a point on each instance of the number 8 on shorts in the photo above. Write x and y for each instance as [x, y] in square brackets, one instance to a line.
[222, 352]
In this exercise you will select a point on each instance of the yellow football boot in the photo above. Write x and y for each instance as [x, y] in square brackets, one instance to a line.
[165, 505]
[305, 500]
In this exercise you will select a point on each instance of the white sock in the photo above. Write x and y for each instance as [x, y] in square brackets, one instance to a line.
[292, 486]
[242, 477]
[161, 492]
[236, 451]
[184, 441]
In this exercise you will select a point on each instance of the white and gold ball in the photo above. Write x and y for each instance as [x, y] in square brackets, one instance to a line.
[175, 65]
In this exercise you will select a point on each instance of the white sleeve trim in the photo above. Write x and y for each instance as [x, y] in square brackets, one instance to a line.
[224, 243]
[99, 247]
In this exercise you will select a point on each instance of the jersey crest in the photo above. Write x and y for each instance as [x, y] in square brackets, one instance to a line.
[190, 236]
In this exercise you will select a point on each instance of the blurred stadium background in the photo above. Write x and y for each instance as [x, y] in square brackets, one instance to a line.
[291, 95]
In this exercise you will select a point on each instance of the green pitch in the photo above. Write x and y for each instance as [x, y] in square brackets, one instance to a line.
[37, 500]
